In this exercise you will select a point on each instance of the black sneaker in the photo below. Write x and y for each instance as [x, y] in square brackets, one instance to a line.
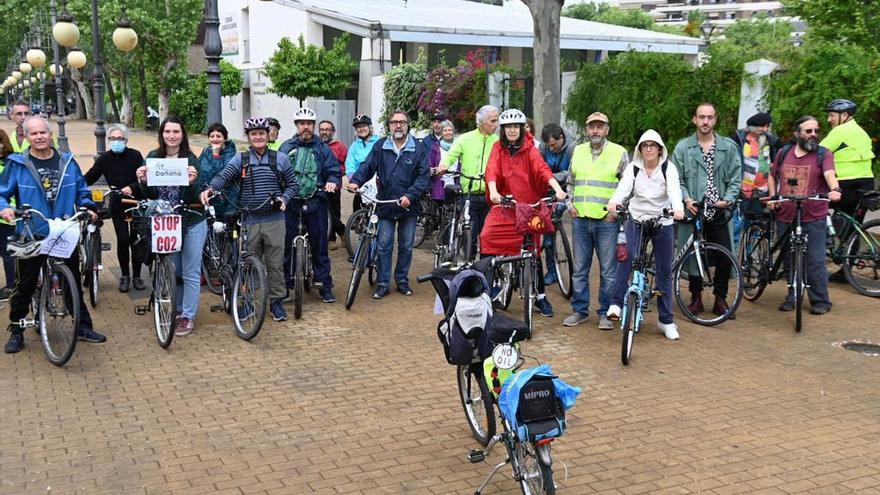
[327, 296]
[381, 292]
[5, 293]
[786, 306]
[404, 289]
[16, 341]
[90, 335]
[837, 277]
[124, 283]
[138, 283]
[544, 307]
[820, 308]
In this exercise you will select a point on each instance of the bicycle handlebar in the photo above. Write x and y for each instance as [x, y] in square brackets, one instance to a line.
[779, 198]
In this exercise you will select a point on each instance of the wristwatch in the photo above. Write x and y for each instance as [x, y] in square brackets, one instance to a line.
[837, 189]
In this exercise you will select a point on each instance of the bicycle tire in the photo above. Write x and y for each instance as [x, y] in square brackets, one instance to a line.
[95, 267]
[250, 298]
[355, 226]
[212, 264]
[299, 253]
[462, 254]
[535, 477]
[797, 280]
[58, 300]
[502, 281]
[754, 252]
[476, 400]
[525, 290]
[360, 264]
[164, 300]
[564, 262]
[629, 327]
[866, 279]
[421, 232]
[679, 274]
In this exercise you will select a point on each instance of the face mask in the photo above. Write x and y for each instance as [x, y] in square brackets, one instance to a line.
[117, 146]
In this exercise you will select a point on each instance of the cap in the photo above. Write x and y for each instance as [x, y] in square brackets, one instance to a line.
[760, 119]
[597, 116]
[438, 116]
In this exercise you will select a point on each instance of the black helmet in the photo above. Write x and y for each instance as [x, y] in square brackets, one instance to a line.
[841, 105]
[273, 122]
[361, 119]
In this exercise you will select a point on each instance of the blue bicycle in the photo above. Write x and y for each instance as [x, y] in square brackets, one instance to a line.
[365, 255]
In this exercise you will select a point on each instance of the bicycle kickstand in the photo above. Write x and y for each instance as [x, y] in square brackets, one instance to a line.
[491, 474]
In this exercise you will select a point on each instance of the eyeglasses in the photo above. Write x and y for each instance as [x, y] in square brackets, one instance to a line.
[492, 121]
[398, 122]
[22, 114]
[648, 146]
[117, 139]
[811, 131]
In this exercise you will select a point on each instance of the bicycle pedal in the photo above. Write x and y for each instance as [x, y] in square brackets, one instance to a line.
[105, 246]
[141, 310]
[25, 323]
[476, 456]
[217, 308]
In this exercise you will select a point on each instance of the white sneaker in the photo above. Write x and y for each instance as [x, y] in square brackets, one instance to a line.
[670, 329]
[613, 312]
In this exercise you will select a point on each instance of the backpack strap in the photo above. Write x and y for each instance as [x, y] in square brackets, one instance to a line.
[663, 167]
[273, 163]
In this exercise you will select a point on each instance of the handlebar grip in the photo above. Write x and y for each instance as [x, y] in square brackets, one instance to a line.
[424, 278]
[129, 201]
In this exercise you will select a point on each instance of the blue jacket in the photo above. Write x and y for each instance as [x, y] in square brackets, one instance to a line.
[358, 153]
[328, 166]
[21, 182]
[210, 166]
[404, 173]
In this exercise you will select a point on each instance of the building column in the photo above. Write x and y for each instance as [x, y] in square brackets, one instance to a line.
[375, 61]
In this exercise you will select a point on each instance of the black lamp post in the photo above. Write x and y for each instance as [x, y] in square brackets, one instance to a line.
[213, 52]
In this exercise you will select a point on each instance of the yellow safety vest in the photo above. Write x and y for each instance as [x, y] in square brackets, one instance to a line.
[852, 151]
[595, 181]
[18, 148]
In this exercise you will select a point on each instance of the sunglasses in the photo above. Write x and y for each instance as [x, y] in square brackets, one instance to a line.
[811, 131]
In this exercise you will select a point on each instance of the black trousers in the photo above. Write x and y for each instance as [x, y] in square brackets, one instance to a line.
[717, 233]
[479, 210]
[337, 228]
[850, 195]
[125, 251]
[27, 272]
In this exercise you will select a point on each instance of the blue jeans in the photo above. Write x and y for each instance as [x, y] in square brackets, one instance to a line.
[588, 236]
[188, 266]
[664, 247]
[316, 218]
[406, 234]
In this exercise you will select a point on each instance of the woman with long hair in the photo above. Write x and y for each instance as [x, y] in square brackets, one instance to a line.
[6, 229]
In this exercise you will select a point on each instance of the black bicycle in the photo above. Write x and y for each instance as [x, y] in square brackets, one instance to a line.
[456, 232]
[365, 255]
[301, 261]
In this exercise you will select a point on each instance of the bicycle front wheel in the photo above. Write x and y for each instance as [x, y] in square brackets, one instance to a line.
[535, 475]
[212, 264]
[628, 326]
[360, 265]
[502, 286]
[798, 284]
[754, 251]
[476, 400]
[564, 262]
[93, 266]
[354, 229]
[59, 314]
[250, 298]
[299, 289]
[164, 303]
[861, 265]
[702, 267]
[527, 291]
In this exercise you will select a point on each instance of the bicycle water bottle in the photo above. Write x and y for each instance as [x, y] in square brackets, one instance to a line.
[829, 238]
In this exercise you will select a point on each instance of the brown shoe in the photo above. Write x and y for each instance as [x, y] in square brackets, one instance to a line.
[720, 307]
[696, 305]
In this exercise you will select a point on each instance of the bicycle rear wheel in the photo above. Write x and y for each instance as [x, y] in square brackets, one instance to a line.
[535, 477]
[358, 268]
[797, 280]
[862, 263]
[250, 298]
[299, 253]
[527, 291]
[164, 301]
[476, 400]
[754, 251]
[502, 286]
[96, 268]
[212, 263]
[564, 262]
[354, 229]
[59, 314]
[628, 326]
[462, 253]
[710, 256]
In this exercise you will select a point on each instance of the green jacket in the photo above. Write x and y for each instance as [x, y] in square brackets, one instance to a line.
[189, 194]
[473, 149]
[851, 146]
[688, 157]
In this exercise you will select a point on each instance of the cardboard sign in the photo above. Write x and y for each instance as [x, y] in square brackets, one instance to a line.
[167, 233]
[167, 172]
[63, 238]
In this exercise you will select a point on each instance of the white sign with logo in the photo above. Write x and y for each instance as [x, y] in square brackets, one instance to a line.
[62, 239]
[167, 233]
[167, 172]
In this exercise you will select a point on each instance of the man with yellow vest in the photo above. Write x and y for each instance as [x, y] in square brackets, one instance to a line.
[472, 150]
[851, 146]
[20, 111]
[592, 180]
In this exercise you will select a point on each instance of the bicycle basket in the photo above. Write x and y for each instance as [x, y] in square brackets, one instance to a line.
[871, 200]
[534, 220]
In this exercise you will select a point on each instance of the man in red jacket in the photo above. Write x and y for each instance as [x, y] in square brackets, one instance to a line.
[326, 130]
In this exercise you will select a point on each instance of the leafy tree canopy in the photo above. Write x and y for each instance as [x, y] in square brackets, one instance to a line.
[300, 70]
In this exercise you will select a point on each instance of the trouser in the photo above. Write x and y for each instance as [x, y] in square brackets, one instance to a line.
[478, 211]
[315, 218]
[188, 268]
[7, 230]
[548, 243]
[125, 235]
[717, 233]
[587, 236]
[337, 228]
[356, 203]
[663, 242]
[817, 276]
[849, 201]
[27, 272]
[406, 234]
[266, 242]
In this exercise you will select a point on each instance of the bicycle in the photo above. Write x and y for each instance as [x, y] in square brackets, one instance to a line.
[55, 305]
[640, 292]
[456, 234]
[563, 257]
[429, 222]
[92, 246]
[856, 247]
[301, 261]
[757, 256]
[242, 276]
[696, 257]
[162, 222]
[364, 258]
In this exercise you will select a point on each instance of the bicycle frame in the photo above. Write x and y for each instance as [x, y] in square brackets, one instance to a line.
[639, 285]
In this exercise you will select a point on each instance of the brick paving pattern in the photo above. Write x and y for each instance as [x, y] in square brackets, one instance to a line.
[362, 402]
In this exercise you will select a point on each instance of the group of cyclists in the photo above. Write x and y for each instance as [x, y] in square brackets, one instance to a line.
[594, 182]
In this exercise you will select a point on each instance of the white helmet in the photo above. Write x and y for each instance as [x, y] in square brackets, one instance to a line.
[511, 116]
[23, 248]
[304, 113]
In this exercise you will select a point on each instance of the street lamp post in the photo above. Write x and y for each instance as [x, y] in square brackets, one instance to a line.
[213, 51]
[59, 90]
[98, 84]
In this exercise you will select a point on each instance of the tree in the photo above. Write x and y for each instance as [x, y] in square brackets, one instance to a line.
[855, 22]
[402, 88]
[610, 14]
[301, 70]
[547, 97]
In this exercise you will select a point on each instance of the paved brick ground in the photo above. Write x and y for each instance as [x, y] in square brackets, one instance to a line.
[335, 404]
